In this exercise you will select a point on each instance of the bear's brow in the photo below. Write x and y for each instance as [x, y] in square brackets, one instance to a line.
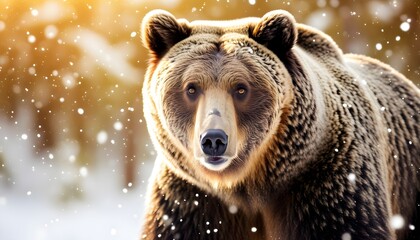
[215, 66]
[205, 77]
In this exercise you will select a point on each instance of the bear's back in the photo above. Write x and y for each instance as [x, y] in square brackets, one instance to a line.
[378, 102]
[399, 107]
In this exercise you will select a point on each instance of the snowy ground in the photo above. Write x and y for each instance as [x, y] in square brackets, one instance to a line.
[103, 215]
[43, 200]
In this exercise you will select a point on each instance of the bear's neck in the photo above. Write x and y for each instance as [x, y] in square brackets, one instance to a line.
[303, 130]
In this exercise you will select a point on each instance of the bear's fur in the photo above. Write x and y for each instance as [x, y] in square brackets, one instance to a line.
[320, 144]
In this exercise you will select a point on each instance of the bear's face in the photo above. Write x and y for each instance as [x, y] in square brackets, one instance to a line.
[217, 93]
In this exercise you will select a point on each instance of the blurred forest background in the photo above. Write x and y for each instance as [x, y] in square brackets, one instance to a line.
[72, 133]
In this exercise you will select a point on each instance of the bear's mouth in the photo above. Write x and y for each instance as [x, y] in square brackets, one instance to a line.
[215, 160]
[215, 163]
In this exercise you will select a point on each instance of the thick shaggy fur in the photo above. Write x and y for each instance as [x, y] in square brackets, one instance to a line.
[328, 143]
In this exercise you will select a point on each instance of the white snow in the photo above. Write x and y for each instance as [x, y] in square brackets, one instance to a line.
[49, 196]
[405, 26]
[34, 12]
[397, 221]
[32, 70]
[352, 177]
[118, 126]
[68, 80]
[24, 136]
[233, 209]
[346, 236]
[50, 31]
[31, 39]
[83, 171]
[80, 111]
[102, 137]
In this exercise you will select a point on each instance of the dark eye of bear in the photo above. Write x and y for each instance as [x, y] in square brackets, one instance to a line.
[240, 92]
[192, 91]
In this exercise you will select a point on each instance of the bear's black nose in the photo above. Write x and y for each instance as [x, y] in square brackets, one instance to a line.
[214, 142]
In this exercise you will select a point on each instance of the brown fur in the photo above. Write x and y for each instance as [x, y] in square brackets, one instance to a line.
[312, 117]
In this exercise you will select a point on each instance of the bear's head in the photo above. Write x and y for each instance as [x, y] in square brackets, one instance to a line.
[216, 93]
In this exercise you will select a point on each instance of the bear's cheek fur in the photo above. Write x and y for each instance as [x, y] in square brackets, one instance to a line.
[254, 121]
[179, 116]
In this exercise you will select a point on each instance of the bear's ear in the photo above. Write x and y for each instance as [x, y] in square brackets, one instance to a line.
[276, 30]
[160, 30]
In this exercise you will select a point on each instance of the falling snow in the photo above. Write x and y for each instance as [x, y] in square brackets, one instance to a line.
[24, 136]
[69, 81]
[233, 209]
[50, 31]
[352, 177]
[118, 126]
[346, 236]
[75, 74]
[34, 12]
[405, 26]
[102, 137]
[397, 221]
[80, 111]
[31, 39]
[83, 171]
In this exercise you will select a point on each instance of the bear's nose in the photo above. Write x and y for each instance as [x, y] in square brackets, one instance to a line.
[214, 142]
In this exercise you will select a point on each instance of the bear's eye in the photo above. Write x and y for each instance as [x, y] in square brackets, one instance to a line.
[192, 91]
[240, 92]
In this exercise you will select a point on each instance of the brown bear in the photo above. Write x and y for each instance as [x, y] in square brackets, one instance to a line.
[265, 130]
